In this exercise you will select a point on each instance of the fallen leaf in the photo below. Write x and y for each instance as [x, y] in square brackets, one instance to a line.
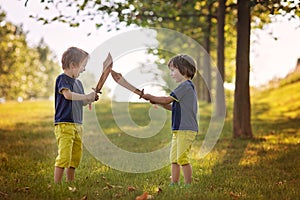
[3, 194]
[106, 188]
[235, 196]
[109, 185]
[24, 189]
[84, 198]
[72, 189]
[142, 197]
[158, 190]
[118, 195]
[131, 188]
[281, 182]
[149, 196]
[212, 188]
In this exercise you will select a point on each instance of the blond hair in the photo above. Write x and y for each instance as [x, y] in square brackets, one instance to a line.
[73, 55]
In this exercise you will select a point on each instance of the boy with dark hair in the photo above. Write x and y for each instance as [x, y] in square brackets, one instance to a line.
[183, 104]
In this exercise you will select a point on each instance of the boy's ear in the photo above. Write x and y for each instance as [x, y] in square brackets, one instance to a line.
[73, 65]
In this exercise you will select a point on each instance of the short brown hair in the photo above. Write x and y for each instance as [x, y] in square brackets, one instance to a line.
[73, 54]
[185, 64]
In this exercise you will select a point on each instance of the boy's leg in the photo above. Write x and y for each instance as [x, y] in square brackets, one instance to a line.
[187, 173]
[175, 168]
[175, 172]
[185, 140]
[58, 174]
[63, 134]
[76, 153]
[70, 173]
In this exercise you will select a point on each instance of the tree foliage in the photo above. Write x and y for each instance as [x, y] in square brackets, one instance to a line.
[25, 71]
[187, 17]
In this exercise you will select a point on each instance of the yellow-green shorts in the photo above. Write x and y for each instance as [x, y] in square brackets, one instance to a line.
[68, 137]
[181, 146]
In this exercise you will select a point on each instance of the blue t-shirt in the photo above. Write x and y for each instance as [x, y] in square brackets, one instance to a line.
[67, 110]
[184, 107]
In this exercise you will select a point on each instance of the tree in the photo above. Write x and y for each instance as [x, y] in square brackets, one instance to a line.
[48, 69]
[14, 53]
[25, 71]
[241, 113]
[220, 96]
[260, 8]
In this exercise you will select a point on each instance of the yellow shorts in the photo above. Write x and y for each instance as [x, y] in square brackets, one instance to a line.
[181, 145]
[68, 137]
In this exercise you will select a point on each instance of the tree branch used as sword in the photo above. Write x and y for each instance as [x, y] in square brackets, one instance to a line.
[107, 67]
[121, 81]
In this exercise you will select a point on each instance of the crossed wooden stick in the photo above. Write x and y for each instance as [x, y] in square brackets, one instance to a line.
[107, 69]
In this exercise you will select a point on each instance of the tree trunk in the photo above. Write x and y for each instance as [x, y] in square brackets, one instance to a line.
[242, 108]
[197, 78]
[207, 64]
[220, 95]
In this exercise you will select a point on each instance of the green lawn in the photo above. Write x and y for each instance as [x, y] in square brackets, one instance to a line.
[266, 167]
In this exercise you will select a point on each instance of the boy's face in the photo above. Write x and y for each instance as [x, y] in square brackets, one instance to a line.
[77, 69]
[176, 75]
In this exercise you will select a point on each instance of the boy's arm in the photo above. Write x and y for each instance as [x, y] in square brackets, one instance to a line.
[164, 101]
[86, 98]
[166, 106]
[158, 100]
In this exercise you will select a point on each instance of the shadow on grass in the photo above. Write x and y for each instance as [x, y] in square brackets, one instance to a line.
[279, 125]
[265, 167]
[260, 108]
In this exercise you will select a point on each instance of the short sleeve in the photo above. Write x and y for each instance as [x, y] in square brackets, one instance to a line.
[173, 96]
[180, 91]
[62, 84]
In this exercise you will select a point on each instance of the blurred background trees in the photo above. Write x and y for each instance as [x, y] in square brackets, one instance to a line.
[26, 72]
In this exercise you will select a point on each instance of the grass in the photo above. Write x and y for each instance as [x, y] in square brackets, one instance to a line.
[266, 167]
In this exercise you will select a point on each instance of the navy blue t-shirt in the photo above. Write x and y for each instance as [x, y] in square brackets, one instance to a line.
[184, 107]
[67, 110]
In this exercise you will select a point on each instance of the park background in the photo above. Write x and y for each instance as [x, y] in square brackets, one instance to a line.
[265, 166]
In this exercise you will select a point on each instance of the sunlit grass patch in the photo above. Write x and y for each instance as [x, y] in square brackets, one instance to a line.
[266, 167]
[281, 103]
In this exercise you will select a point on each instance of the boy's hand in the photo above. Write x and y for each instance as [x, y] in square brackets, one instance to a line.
[96, 97]
[147, 97]
[91, 97]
